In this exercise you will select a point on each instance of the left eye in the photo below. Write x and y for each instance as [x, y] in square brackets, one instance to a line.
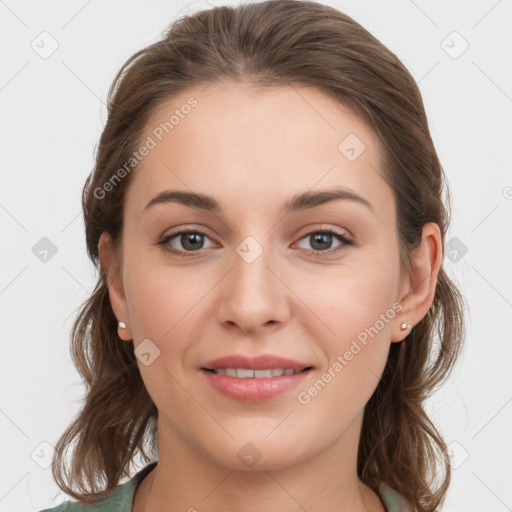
[322, 239]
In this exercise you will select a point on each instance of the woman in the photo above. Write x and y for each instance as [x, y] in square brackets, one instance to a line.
[272, 310]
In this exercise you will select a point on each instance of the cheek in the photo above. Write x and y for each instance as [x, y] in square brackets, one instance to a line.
[360, 310]
[356, 355]
[356, 299]
[161, 299]
[152, 305]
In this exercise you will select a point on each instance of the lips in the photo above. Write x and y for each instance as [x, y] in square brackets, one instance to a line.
[254, 379]
[263, 362]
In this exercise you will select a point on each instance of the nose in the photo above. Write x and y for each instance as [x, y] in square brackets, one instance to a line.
[252, 294]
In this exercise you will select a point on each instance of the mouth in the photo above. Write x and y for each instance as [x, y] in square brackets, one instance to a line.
[248, 373]
[254, 379]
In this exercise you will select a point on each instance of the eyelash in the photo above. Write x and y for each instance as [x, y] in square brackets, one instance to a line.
[316, 254]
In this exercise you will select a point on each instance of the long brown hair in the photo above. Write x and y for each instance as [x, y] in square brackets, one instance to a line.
[271, 43]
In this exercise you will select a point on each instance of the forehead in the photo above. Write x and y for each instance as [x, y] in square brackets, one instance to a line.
[263, 142]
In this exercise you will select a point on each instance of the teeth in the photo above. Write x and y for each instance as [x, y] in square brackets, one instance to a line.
[246, 373]
[261, 374]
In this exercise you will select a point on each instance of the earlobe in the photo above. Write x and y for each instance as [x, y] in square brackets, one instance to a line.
[113, 278]
[426, 261]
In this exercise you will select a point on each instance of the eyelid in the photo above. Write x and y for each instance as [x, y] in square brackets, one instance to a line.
[165, 239]
[345, 239]
[319, 227]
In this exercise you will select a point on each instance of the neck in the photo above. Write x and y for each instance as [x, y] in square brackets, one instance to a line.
[186, 480]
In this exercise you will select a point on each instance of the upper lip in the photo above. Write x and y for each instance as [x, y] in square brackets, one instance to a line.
[263, 362]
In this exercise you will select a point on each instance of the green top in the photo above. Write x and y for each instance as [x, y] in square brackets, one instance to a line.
[120, 499]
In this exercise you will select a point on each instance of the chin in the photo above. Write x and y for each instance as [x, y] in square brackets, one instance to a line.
[257, 456]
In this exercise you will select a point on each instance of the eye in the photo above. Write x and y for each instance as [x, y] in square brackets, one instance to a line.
[190, 241]
[323, 239]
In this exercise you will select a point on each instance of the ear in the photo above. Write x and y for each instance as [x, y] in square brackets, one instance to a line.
[419, 287]
[110, 264]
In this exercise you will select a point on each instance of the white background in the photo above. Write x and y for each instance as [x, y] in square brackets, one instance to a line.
[52, 113]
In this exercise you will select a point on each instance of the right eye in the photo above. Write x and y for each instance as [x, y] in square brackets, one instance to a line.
[191, 241]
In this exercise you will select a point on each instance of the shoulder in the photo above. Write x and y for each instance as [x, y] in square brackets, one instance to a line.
[114, 502]
[64, 507]
[76, 507]
[394, 501]
[119, 499]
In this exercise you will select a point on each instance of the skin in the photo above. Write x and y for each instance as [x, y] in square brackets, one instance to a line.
[253, 150]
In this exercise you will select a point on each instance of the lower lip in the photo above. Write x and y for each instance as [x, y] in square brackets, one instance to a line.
[254, 390]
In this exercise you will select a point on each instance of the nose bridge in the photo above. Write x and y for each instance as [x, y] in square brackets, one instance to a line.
[251, 275]
[253, 295]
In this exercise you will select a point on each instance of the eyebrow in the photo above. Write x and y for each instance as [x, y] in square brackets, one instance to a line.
[297, 203]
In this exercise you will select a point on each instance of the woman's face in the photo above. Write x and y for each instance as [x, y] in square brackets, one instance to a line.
[258, 275]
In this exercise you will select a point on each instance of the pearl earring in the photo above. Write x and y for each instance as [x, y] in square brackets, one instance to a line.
[405, 326]
[121, 325]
